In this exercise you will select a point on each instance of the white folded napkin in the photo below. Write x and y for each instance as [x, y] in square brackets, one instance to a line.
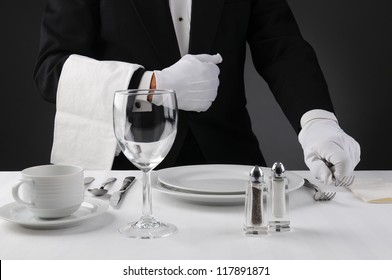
[83, 131]
[373, 190]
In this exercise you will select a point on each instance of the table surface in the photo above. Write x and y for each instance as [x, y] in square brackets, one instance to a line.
[344, 228]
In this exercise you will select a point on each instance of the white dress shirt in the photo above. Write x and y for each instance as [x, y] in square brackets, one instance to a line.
[181, 15]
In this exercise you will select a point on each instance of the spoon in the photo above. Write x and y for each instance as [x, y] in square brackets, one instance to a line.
[88, 180]
[101, 191]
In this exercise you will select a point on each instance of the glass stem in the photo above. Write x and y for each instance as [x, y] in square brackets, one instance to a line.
[147, 198]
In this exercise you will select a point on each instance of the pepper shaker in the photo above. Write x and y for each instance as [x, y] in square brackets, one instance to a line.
[279, 199]
[255, 204]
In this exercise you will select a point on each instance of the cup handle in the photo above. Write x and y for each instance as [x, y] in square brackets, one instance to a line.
[15, 191]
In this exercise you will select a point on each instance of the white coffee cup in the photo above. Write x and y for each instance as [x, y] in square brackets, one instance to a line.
[50, 191]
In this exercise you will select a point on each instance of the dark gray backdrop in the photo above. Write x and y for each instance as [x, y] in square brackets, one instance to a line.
[353, 40]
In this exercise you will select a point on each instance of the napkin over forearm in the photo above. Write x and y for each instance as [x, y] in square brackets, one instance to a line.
[83, 130]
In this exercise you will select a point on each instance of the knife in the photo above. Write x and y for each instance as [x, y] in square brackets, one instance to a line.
[118, 195]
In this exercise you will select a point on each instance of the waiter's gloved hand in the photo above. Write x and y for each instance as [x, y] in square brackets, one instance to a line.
[322, 141]
[194, 79]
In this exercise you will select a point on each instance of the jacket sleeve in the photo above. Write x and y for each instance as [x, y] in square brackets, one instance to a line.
[286, 61]
[68, 27]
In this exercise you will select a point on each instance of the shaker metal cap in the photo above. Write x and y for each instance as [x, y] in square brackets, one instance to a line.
[278, 170]
[256, 174]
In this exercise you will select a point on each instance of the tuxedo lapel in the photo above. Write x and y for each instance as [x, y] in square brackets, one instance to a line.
[156, 18]
[204, 25]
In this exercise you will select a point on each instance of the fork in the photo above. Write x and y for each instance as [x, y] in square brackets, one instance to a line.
[345, 182]
[319, 195]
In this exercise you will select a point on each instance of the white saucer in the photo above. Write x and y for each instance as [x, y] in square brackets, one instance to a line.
[19, 214]
[212, 184]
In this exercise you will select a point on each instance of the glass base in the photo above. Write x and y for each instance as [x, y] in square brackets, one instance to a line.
[147, 228]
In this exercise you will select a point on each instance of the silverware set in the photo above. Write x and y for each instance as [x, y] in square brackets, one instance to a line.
[117, 196]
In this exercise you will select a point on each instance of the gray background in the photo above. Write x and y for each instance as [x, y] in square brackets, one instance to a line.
[353, 41]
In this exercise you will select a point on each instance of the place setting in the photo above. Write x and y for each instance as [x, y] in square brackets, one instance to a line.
[145, 127]
[59, 196]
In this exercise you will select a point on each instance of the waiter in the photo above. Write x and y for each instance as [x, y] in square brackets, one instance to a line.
[91, 48]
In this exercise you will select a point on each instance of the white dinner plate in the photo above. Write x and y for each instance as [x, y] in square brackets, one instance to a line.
[217, 184]
[19, 214]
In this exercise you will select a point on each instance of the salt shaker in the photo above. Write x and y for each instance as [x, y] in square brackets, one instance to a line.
[255, 204]
[278, 213]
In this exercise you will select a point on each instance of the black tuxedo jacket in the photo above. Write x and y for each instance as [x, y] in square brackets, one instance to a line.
[142, 32]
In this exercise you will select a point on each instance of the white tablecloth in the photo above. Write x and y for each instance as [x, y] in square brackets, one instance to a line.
[344, 228]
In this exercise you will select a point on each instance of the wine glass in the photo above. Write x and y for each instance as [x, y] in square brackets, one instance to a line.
[145, 125]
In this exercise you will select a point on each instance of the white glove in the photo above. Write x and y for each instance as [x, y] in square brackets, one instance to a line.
[194, 78]
[323, 141]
